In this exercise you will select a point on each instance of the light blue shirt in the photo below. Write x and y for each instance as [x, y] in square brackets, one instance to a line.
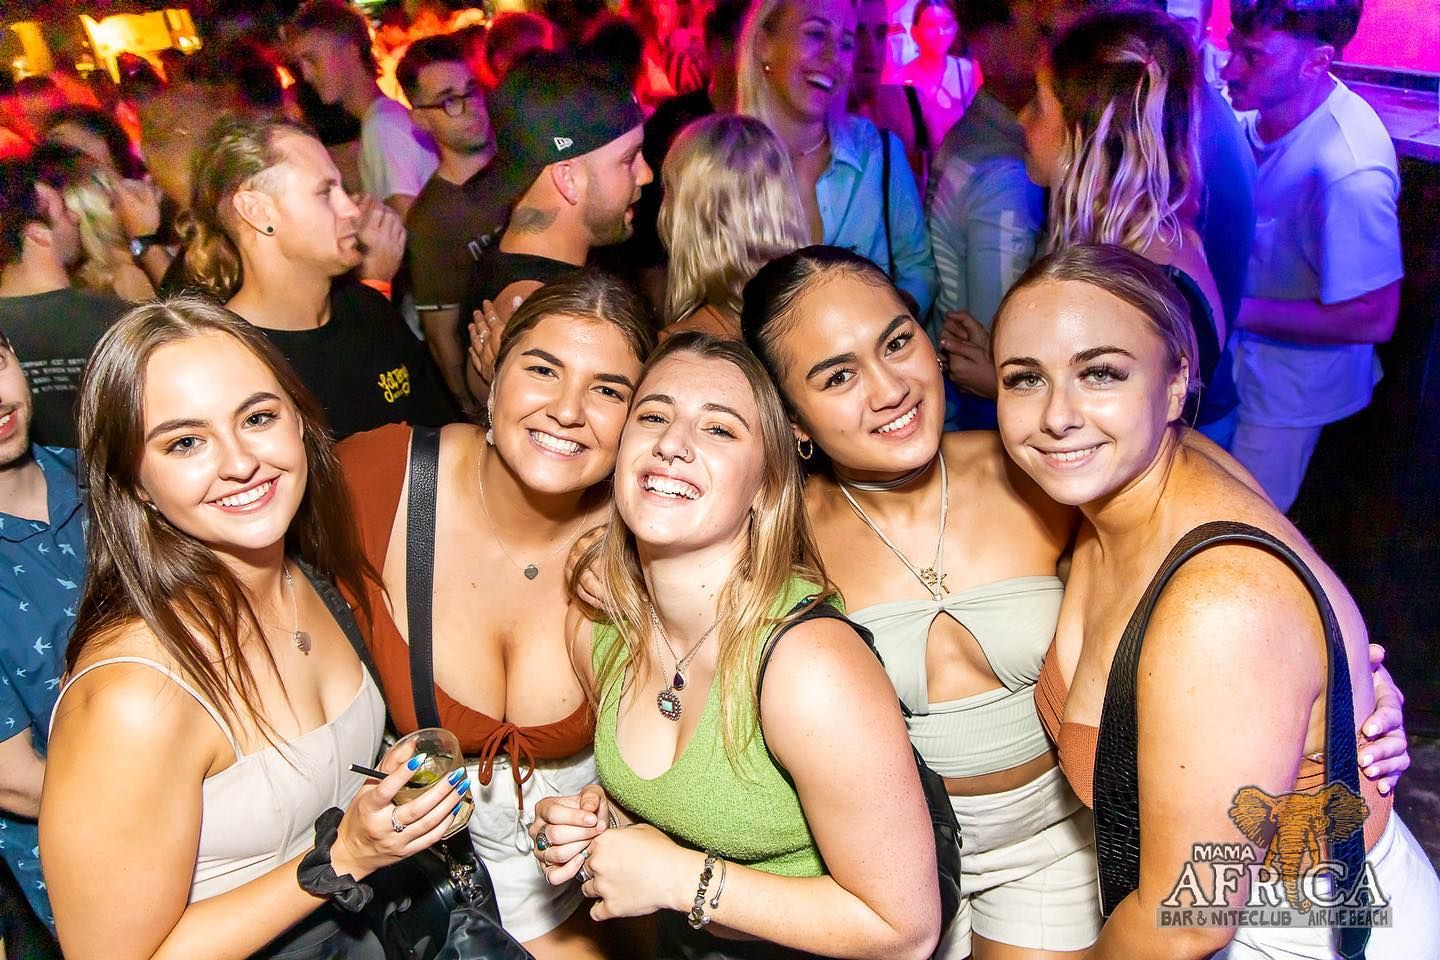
[851, 200]
[985, 215]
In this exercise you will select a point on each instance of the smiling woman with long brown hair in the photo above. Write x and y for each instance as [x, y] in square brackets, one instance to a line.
[213, 702]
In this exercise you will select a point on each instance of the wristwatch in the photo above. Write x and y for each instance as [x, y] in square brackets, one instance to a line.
[140, 244]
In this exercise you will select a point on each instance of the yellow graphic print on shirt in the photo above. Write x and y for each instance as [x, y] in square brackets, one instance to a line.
[395, 383]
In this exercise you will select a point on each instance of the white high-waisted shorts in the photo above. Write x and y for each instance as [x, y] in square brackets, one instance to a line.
[1405, 878]
[529, 906]
[1028, 874]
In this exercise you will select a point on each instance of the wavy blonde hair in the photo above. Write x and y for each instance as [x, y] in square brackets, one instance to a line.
[780, 547]
[730, 207]
[238, 152]
[1127, 85]
[90, 196]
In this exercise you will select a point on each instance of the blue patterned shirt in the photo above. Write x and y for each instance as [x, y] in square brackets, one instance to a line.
[42, 566]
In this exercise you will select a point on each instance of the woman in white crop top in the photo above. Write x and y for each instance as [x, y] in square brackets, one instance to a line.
[912, 525]
[214, 703]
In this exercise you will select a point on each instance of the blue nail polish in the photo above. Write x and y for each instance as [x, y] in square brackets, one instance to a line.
[457, 809]
[415, 761]
[456, 777]
[463, 789]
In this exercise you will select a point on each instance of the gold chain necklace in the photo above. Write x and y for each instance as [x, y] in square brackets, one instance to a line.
[933, 576]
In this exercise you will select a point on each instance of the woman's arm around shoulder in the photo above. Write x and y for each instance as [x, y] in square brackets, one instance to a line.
[1231, 669]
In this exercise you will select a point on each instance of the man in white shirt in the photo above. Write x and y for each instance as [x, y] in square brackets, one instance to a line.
[331, 42]
[1325, 269]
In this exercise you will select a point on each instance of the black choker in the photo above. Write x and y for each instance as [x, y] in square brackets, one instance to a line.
[880, 485]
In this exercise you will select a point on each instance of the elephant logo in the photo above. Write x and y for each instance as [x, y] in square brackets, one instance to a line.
[1294, 827]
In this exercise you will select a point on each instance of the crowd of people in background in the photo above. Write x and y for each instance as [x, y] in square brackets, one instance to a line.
[992, 337]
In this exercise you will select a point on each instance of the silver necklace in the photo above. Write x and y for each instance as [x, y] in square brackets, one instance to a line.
[666, 700]
[933, 576]
[877, 486]
[818, 144]
[531, 570]
[302, 639]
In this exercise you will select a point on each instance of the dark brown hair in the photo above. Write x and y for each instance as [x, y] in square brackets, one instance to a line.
[142, 568]
[585, 295]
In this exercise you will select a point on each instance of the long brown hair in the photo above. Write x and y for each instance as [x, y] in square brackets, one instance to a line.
[781, 547]
[140, 567]
[235, 153]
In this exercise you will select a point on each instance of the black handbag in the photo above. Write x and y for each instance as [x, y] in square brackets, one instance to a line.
[1117, 792]
[942, 814]
[438, 904]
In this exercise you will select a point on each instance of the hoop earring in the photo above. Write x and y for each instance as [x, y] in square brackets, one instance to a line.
[490, 423]
[806, 448]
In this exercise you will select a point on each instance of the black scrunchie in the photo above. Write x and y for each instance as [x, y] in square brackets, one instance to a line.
[317, 875]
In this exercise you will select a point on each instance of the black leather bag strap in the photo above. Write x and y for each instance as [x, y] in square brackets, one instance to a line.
[803, 612]
[885, 200]
[344, 616]
[1117, 791]
[420, 570]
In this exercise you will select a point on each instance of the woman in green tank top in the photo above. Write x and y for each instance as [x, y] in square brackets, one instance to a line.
[797, 821]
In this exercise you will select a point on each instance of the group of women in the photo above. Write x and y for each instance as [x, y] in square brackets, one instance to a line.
[613, 558]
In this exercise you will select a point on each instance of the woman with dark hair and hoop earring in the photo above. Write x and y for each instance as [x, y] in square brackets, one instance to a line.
[198, 758]
[949, 554]
[788, 815]
[1235, 723]
[505, 505]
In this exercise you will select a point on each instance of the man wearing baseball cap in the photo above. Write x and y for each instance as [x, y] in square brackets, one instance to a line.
[568, 134]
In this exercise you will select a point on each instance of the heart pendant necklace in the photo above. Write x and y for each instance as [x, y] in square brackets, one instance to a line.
[667, 700]
[530, 570]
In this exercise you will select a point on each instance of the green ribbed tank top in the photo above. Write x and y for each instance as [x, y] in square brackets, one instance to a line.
[701, 801]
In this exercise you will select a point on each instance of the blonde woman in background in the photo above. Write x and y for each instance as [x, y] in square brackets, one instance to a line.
[109, 266]
[730, 207]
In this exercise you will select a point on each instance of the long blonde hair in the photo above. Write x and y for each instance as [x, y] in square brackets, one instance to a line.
[730, 207]
[89, 194]
[780, 547]
[1127, 83]
[236, 153]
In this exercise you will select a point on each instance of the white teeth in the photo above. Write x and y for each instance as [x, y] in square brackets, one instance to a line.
[1070, 456]
[820, 80]
[567, 447]
[670, 487]
[249, 496]
[899, 422]
[5, 419]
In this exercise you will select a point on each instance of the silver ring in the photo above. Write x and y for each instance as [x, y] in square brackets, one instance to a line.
[396, 825]
[585, 876]
[542, 842]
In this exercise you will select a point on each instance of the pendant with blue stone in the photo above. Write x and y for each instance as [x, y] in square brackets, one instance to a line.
[668, 703]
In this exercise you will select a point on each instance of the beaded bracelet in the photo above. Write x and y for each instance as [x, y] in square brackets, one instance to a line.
[696, 917]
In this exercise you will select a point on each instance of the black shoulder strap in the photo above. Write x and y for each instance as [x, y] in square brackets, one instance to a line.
[917, 118]
[803, 612]
[885, 199]
[420, 570]
[343, 615]
[1117, 792]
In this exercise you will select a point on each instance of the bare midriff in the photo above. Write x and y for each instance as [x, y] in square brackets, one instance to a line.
[1001, 780]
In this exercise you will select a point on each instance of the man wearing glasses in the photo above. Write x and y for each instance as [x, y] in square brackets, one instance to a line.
[1325, 269]
[452, 220]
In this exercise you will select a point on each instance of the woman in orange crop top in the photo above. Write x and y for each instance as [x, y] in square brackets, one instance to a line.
[1095, 353]
[509, 503]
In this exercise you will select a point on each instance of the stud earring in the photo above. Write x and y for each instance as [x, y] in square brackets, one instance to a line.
[766, 67]
[270, 229]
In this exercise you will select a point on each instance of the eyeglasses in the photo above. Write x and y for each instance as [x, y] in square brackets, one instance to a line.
[454, 105]
[1293, 6]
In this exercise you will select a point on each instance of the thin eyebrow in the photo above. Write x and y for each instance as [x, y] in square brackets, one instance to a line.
[721, 408]
[619, 378]
[259, 396]
[899, 321]
[549, 358]
[1085, 356]
[839, 358]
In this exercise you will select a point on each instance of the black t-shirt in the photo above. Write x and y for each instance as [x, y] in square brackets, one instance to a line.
[53, 334]
[447, 230]
[365, 366]
[496, 270]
